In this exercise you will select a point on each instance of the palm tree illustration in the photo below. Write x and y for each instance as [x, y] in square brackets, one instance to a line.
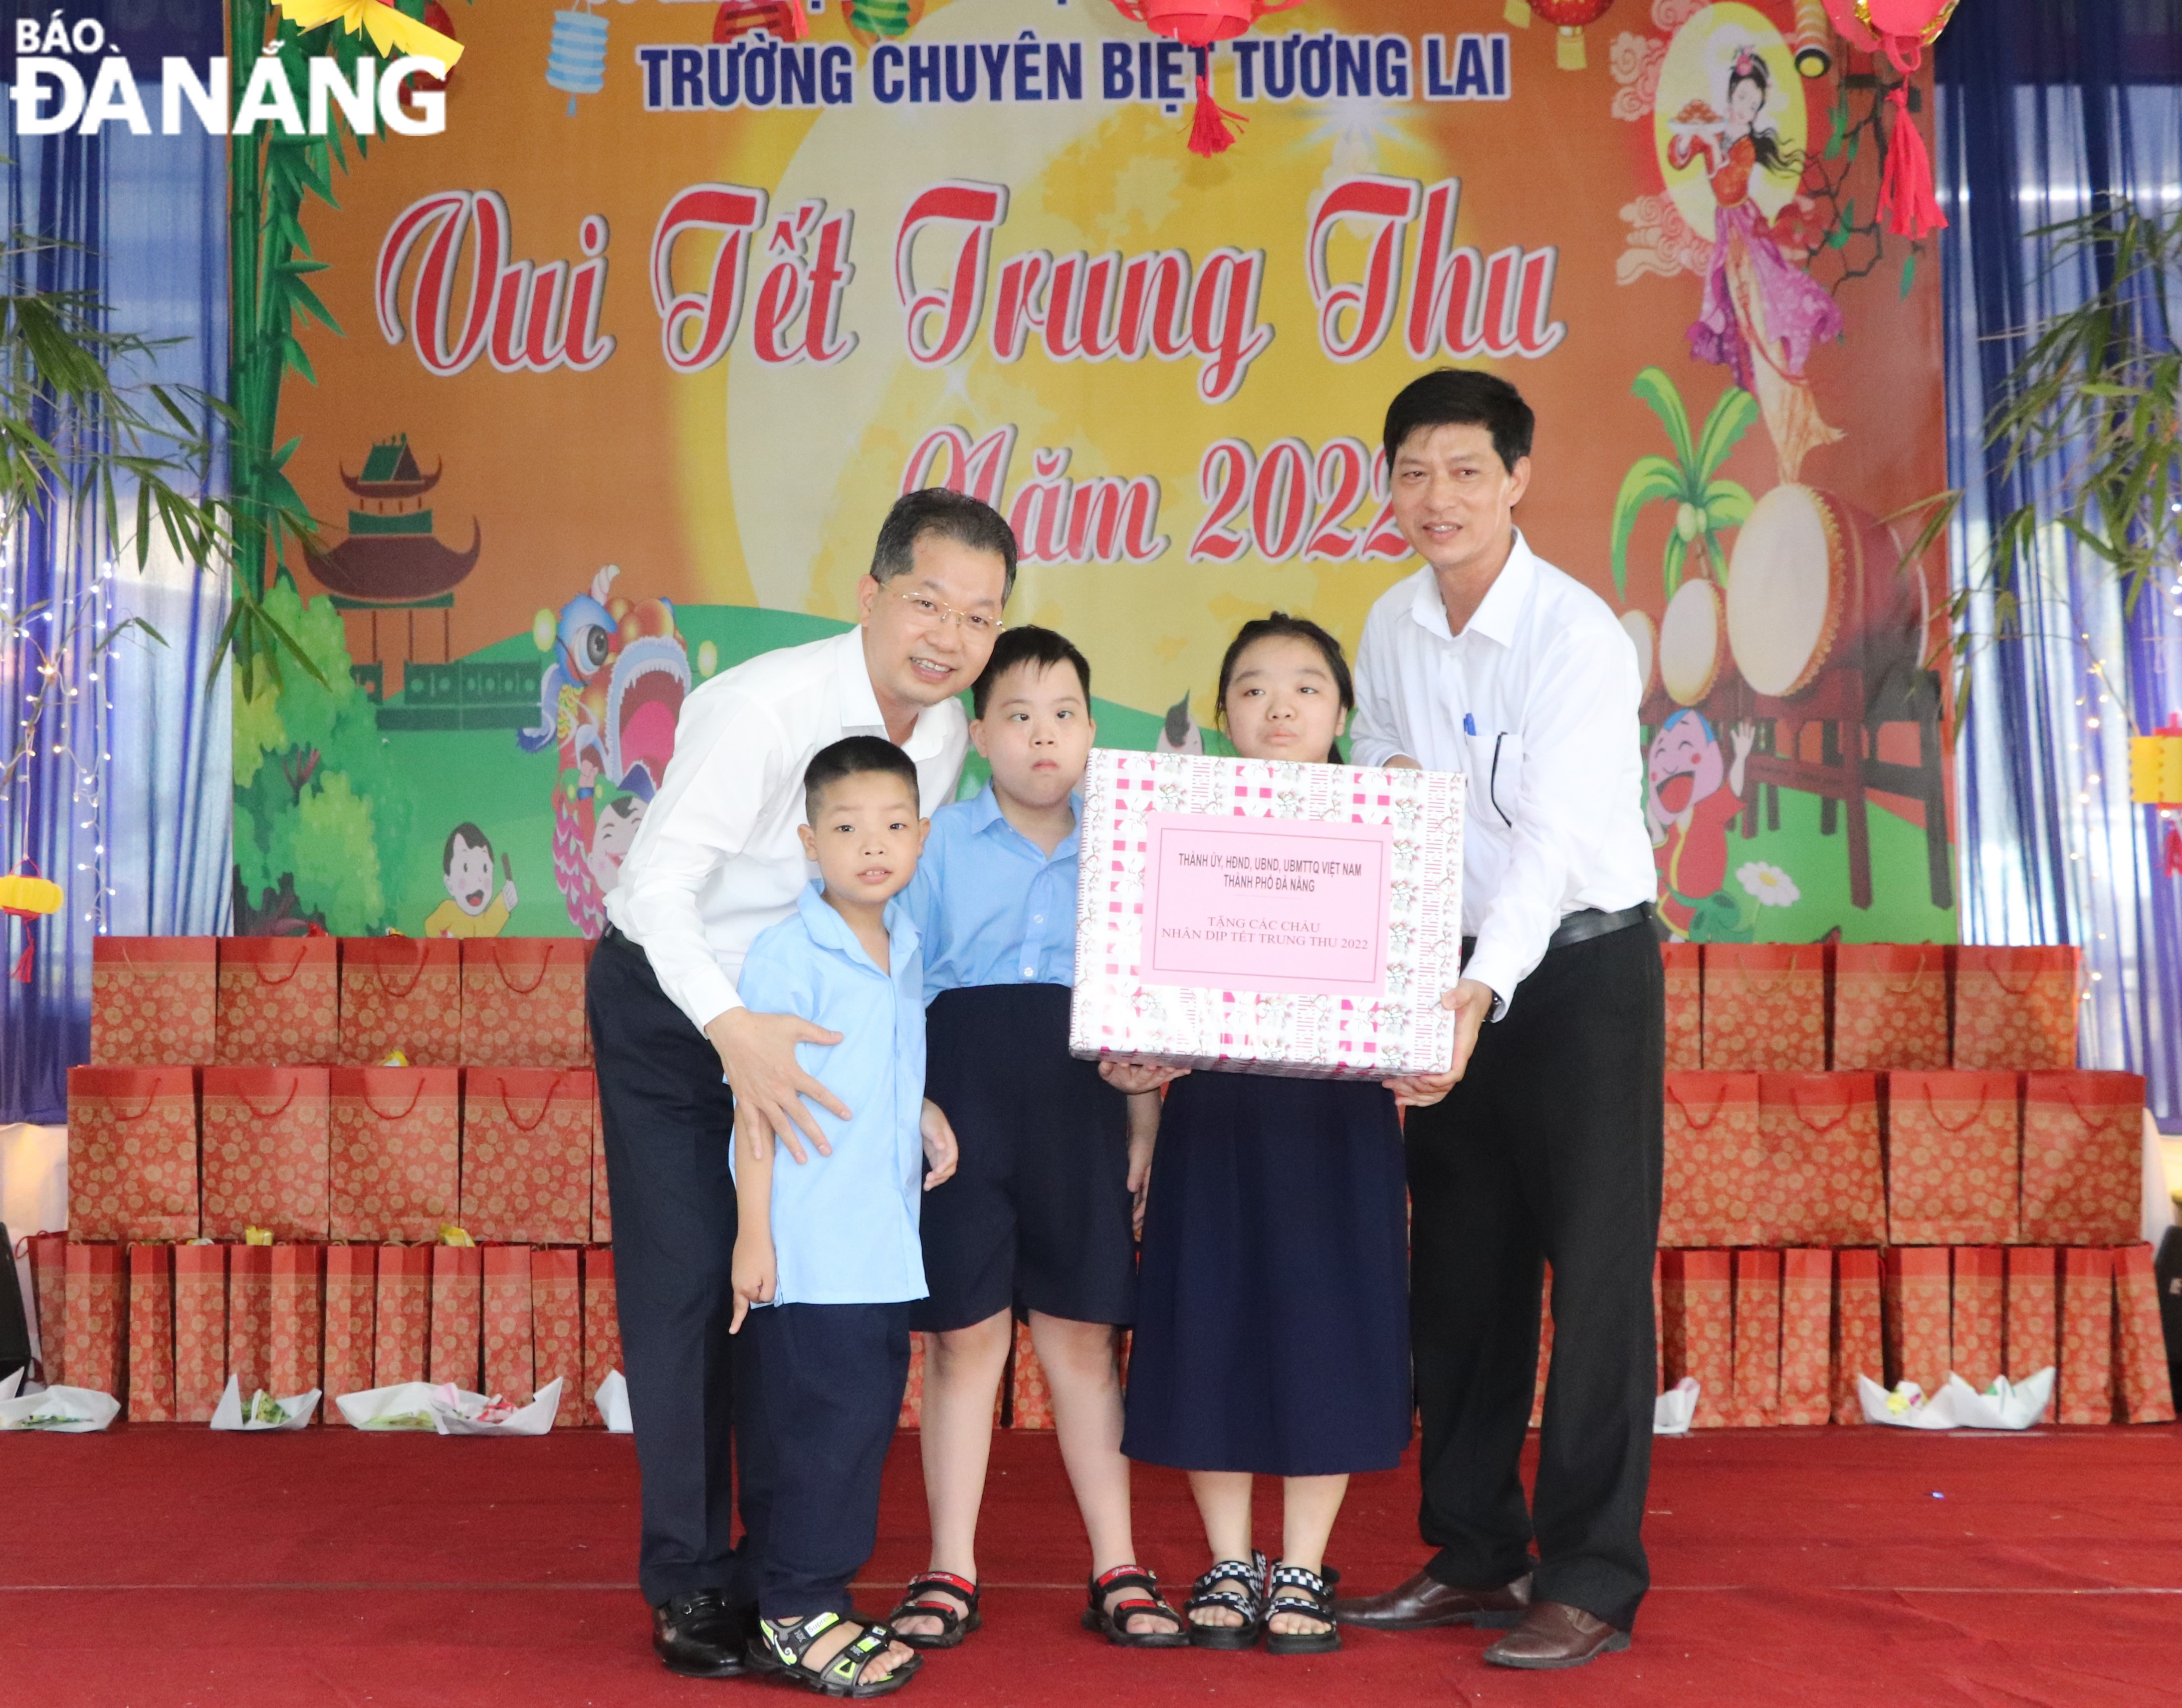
[1704, 503]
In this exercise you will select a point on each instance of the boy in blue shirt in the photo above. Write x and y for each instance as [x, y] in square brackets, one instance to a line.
[1040, 1219]
[829, 1249]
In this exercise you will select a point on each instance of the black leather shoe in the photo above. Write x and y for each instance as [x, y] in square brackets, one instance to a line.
[1423, 1602]
[699, 1636]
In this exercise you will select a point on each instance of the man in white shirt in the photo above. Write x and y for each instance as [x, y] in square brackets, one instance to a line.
[716, 861]
[1543, 1144]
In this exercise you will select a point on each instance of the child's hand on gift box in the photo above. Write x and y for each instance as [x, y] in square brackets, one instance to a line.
[941, 1152]
[754, 1274]
[1131, 1075]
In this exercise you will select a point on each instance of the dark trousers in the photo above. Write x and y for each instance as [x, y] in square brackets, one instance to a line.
[668, 1124]
[831, 1386]
[1547, 1151]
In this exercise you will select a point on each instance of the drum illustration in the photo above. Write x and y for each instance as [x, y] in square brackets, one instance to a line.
[1815, 581]
[1644, 640]
[1690, 642]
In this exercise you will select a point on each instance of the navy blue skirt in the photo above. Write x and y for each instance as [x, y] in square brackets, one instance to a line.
[1272, 1330]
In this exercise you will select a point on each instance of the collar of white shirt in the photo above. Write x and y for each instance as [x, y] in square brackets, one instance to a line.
[1498, 614]
[859, 702]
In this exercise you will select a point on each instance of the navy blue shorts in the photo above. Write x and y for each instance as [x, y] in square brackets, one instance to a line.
[1036, 1216]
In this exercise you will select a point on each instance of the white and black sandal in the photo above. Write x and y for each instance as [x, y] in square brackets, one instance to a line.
[1249, 1601]
[1309, 1595]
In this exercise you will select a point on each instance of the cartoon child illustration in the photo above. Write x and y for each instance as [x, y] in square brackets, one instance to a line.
[616, 829]
[471, 909]
[1692, 795]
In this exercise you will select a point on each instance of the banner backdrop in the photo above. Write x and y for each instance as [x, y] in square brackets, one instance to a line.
[631, 360]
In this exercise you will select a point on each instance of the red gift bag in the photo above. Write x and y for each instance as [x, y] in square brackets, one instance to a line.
[1953, 1159]
[1685, 1007]
[352, 1280]
[132, 1153]
[48, 1254]
[2015, 1008]
[200, 1330]
[1698, 1290]
[1658, 1330]
[1858, 1344]
[912, 1392]
[1919, 1298]
[280, 1002]
[523, 1001]
[1807, 1304]
[557, 1325]
[1032, 1399]
[1975, 1335]
[396, 1146]
[2087, 1337]
[151, 1333]
[250, 1318]
[298, 1364]
[403, 1314]
[1756, 1338]
[457, 1316]
[1890, 1006]
[601, 1199]
[97, 1326]
[402, 993]
[2083, 1158]
[1545, 1351]
[268, 1152]
[153, 999]
[602, 1328]
[1821, 1180]
[2147, 1396]
[1765, 1007]
[527, 1154]
[1711, 1140]
[2034, 1314]
[511, 1368]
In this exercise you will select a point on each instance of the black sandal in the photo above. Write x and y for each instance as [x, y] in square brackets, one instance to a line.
[779, 1647]
[1249, 1601]
[953, 1626]
[1114, 1625]
[1295, 1591]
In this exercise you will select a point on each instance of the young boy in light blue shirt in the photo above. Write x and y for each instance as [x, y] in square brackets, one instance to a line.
[827, 1258]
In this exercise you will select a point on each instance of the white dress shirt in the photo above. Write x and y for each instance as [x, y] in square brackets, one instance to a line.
[717, 859]
[1536, 700]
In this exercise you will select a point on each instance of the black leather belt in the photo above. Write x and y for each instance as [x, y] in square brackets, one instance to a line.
[1582, 927]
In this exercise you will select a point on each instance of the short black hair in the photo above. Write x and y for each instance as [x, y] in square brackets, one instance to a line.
[1028, 644]
[463, 832]
[1280, 625]
[854, 755]
[1462, 397]
[954, 514]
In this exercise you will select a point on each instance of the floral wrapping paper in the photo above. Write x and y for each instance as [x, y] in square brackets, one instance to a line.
[2033, 1311]
[1918, 1304]
[1685, 1006]
[1890, 1006]
[2087, 1337]
[1711, 1144]
[200, 1330]
[912, 1392]
[1658, 1330]
[151, 1333]
[402, 993]
[280, 1002]
[402, 1314]
[1756, 1402]
[2146, 1394]
[523, 1001]
[511, 1366]
[527, 1154]
[1404, 1030]
[1032, 1407]
[250, 1317]
[1699, 1292]
[132, 1153]
[2015, 1008]
[601, 1199]
[602, 1329]
[396, 1153]
[556, 1324]
[2083, 1158]
[1765, 1007]
[457, 1316]
[268, 1152]
[1858, 1348]
[1807, 1303]
[48, 1255]
[1545, 1352]
[1975, 1334]
[98, 1318]
[1954, 1151]
[352, 1283]
[154, 999]
[1823, 1179]
[298, 1361]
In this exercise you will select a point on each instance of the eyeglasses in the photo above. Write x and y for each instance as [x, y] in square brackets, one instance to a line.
[933, 613]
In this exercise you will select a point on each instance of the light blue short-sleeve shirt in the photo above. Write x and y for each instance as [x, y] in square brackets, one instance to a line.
[991, 906]
[845, 1226]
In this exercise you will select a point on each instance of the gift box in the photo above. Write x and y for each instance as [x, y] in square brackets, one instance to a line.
[601, 1199]
[268, 1153]
[1821, 1179]
[2015, 1008]
[1807, 1303]
[1698, 1290]
[200, 1330]
[280, 1002]
[1890, 1006]
[297, 1361]
[511, 1367]
[132, 1154]
[2146, 1394]
[602, 1328]
[1858, 1345]
[527, 1154]
[250, 1317]
[2034, 1311]
[1975, 1335]
[1756, 1403]
[351, 1282]
[1765, 1007]
[402, 993]
[912, 1392]
[1953, 1159]
[2083, 1158]
[2087, 1337]
[151, 1333]
[1659, 1331]
[98, 1319]
[48, 1254]
[396, 1150]
[1301, 919]
[153, 999]
[1030, 1400]
[1685, 1007]
[1918, 1302]
[523, 1001]
[556, 1321]
[1707, 1196]
[457, 1316]
[402, 1314]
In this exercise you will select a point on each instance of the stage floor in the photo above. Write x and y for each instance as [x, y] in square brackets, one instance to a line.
[169, 1566]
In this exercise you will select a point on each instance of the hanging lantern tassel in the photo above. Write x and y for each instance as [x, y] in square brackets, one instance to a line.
[1212, 131]
[1907, 205]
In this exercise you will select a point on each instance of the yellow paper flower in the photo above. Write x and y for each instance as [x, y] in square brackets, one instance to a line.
[392, 33]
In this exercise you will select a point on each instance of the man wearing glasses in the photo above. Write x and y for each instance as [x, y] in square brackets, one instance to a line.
[716, 862]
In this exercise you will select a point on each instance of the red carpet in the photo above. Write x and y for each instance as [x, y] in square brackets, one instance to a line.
[156, 1566]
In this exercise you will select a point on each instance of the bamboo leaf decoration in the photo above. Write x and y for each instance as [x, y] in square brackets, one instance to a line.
[1704, 504]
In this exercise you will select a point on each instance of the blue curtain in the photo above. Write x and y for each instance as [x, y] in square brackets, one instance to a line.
[2043, 111]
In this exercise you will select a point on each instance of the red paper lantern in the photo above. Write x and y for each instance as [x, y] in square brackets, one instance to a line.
[1200, 23]
[1902, 30]
[1569, 16]
[783, 17]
